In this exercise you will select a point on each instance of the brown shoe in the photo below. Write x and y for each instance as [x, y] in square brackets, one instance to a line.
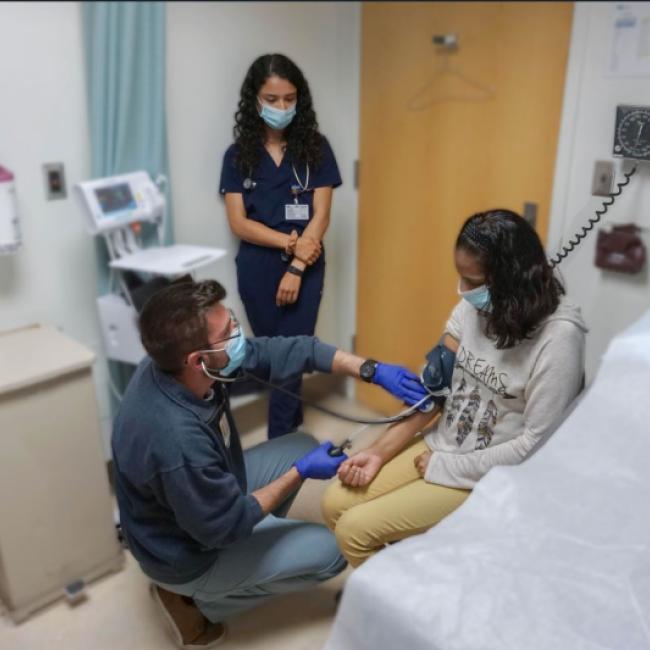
[189, 628]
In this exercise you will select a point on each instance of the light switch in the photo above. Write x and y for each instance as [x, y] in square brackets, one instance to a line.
[601, 183]
[54, 181]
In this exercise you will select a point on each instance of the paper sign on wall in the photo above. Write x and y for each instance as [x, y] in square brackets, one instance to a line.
[630, 40]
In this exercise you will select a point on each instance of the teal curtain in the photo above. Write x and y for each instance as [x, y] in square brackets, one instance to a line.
[125, 72]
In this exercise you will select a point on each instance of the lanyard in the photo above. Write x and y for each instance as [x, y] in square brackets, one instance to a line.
[295, 190]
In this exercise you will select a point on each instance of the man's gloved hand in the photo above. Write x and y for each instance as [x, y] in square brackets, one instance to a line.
[318, 463]
[400, 382]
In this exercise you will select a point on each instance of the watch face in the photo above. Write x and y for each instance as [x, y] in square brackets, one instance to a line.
[632, 133]
[367, 369]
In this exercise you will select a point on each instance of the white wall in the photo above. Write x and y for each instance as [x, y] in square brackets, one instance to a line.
[610, 301]
[210, 47]
[43, 119]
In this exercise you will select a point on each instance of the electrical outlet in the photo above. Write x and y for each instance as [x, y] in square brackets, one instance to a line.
[530, 213]
[601, 183]
[54, 181]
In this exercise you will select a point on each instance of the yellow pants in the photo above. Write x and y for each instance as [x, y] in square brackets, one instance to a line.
[398, 503]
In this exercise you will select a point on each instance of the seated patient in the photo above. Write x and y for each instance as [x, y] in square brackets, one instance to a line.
[519, 347]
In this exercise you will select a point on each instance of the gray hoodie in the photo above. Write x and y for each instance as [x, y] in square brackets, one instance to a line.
[502, 402]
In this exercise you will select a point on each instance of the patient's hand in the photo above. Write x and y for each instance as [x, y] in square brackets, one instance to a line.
[359, 470]
[422, 461]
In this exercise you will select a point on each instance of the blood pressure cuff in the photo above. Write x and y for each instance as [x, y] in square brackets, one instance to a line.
[437, 373]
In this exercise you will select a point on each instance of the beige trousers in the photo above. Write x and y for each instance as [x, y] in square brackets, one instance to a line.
[397, 504]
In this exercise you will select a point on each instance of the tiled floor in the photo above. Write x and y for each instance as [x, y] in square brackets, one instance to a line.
[119, 614]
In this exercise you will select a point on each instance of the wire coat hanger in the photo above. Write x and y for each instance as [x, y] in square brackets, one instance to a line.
[479, 91]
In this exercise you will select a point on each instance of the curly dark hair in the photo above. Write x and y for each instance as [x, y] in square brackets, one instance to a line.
[303, 138]
[173, 321]
[522, 286]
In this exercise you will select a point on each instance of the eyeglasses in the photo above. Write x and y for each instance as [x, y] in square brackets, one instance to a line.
[235, 331]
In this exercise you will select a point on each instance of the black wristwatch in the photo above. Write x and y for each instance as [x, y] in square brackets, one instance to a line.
[367, 370]
[294, 270]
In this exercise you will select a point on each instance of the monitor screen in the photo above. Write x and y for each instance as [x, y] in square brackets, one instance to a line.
[115, 198]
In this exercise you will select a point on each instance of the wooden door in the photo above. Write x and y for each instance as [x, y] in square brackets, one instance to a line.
[437, 147]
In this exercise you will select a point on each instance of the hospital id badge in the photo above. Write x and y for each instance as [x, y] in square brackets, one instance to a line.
[224, 427]
[296, 212]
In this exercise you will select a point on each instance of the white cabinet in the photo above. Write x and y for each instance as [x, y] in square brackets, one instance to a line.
[56, 513]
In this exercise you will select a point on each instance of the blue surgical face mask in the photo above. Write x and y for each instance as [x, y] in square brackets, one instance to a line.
[236, 351]
[479, 298]
[276, 118]
[235, 348]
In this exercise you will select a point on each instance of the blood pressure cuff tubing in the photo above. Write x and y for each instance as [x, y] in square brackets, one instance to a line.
[437, 373]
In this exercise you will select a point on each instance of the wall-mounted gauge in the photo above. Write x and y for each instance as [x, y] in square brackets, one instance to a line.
[632, 133]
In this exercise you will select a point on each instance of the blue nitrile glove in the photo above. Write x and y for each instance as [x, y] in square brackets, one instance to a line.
[400, 382]
[318, 463]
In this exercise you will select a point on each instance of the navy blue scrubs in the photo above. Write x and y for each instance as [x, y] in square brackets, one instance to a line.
[260, 269]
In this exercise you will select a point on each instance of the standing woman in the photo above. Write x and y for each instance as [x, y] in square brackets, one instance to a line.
[277, 179]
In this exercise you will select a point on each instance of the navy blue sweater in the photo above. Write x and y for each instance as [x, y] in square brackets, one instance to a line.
[181, 490]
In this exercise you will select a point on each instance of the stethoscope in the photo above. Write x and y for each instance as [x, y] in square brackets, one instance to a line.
[249, 184]
[241, 375]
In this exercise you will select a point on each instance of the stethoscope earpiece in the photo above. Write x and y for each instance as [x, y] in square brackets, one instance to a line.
[216, 375]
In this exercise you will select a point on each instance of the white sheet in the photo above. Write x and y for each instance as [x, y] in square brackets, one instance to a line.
[550, 554]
